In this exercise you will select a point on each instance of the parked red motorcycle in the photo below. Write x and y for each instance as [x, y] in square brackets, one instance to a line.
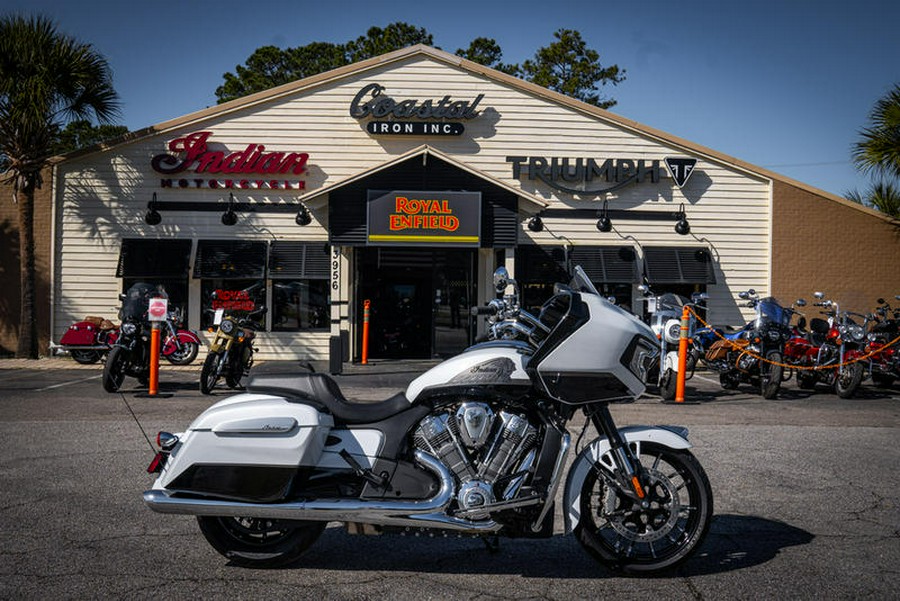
[89, 340]
[834, 348]
[885, 360]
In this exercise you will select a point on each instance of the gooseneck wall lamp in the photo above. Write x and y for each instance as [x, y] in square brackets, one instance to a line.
[152, 217]
[536, 224]
[604, 224]
[682, 227]
[303, 216]
[229, 217]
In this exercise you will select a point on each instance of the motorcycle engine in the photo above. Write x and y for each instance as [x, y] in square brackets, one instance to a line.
[488, 452]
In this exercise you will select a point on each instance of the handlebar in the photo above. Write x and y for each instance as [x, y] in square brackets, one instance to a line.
[486, 310]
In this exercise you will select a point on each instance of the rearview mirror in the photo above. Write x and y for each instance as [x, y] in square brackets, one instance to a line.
[501, 279]
[819, 295]
[800, 302]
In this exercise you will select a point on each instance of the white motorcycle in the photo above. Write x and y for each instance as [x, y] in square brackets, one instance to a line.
[477, 445]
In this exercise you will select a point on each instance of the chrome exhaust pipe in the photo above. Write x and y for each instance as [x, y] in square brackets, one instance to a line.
[413, 514]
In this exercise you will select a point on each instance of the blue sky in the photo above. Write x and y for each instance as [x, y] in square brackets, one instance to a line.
[784, 84]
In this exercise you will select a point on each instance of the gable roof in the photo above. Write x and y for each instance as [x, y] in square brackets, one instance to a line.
[465, 64]
[425, 150]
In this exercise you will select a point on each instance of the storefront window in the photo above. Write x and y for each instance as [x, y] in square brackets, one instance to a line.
[236, 297]
[299, 305]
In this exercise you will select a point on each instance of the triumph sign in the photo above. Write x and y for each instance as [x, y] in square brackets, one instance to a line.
[587, 176]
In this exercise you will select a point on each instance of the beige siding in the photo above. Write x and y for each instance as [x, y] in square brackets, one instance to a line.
[103, 196]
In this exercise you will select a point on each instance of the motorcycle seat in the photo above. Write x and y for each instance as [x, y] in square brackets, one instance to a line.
[323, 392]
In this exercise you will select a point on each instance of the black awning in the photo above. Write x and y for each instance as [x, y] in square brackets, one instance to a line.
[607, 264]
[231, 259]
[143, 258]
[679, 265]
[298, 260]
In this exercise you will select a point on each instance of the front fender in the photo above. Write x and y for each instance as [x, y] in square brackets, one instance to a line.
[672, 361]
[596, 452]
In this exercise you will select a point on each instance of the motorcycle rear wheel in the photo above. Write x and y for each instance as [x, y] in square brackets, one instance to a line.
[624, 536]
[770, 375]
[85, 357]
[846, 385]
[729, 380]
[114, 369]
[259, 542]
[209, 375]
[184, 356]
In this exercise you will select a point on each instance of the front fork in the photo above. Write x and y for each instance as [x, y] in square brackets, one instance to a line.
[631, 476]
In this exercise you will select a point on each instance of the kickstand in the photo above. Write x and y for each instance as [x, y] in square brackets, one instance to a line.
[491, 542]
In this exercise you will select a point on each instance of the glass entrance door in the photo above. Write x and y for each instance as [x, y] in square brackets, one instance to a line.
[420, 301]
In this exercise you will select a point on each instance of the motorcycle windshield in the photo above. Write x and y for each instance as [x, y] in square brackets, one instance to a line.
[136, 302]
[671, 302]
[770, 311]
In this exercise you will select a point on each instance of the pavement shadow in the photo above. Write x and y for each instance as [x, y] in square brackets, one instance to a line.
[734, 542]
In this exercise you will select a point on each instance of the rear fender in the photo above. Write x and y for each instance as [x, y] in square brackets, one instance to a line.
[597, 453]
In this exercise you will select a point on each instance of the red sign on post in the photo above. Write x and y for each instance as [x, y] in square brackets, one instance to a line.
[158, 309]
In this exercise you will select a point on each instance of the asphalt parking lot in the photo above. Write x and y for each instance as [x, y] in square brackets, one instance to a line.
[805, 503]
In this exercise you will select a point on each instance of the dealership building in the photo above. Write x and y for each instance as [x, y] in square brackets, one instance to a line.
[400, 183]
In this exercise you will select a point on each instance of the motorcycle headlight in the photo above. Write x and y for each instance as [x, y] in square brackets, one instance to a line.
[129, 328]
[673, 331]
[773, 335]
[227, 326]
[856, 333]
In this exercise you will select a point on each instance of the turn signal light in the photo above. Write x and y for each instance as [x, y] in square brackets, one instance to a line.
[166, 441]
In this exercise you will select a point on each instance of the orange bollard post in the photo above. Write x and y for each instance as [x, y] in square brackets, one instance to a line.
[154, 360]
[365, 341]
[682, 355]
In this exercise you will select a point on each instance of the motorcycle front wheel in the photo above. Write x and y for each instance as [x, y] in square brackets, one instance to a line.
[668, 385]
[259, 542]
[209, 373]
[114, 369]
[185, 355]
[770, 374]
[847, 383]
[626, 535]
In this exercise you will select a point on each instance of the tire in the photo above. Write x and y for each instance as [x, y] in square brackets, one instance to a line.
[208, 375]
[618, 533]
[85, 357]
[185, 356]
[770, 375]
[669, 385]
[729, 380]
[806, 380]
[259, 542]
[233, 381]
[114, 369]
[846, 386]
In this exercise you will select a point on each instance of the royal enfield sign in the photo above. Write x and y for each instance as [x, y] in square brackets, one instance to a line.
[191, 158]
[424, 218]
[395, 117]
[592, 177]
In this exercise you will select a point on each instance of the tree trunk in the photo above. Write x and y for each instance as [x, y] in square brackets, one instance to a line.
[27, 345]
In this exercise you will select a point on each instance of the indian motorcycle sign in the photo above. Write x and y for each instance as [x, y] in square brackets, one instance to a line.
[196, 165]
[392, 117]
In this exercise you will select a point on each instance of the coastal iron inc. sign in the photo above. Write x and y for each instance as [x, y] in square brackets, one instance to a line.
[196, 165]
[590, 177]
[412, 117]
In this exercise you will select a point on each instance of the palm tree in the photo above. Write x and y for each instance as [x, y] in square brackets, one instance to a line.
[46, 80]
[878, 153]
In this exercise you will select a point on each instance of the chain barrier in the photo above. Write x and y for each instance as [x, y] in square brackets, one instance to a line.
[791, 365]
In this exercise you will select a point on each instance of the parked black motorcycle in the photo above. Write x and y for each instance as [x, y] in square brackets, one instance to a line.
[737, 359]
[231, 351]
[130, 355]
